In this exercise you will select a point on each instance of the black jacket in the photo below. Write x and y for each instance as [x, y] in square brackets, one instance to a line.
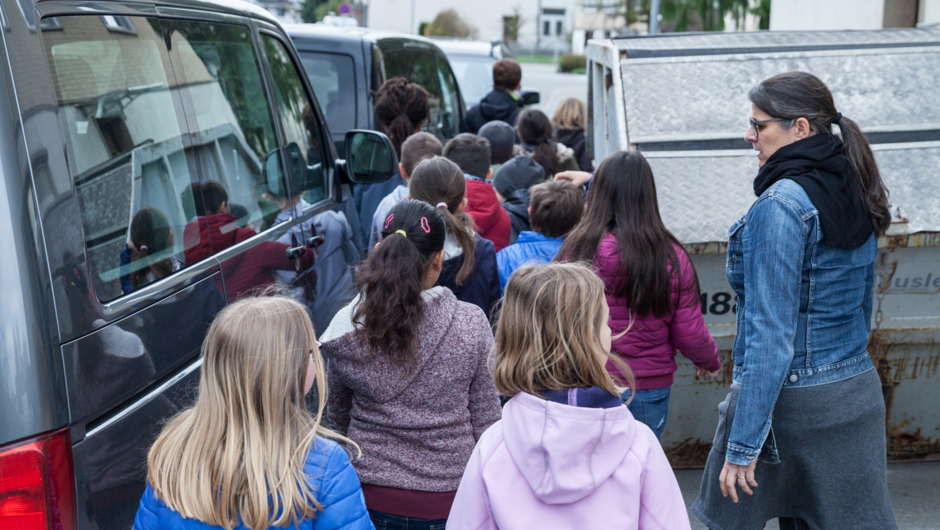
[482, 287]
[574, 138]
[497, 105]
[517, 206]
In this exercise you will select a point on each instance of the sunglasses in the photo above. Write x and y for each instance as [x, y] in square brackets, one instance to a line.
[758, 124]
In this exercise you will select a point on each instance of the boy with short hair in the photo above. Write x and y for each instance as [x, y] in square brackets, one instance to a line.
[414, 149]
[555, 208]
[472, 155]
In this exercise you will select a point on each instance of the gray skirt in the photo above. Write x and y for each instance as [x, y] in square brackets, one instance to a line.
[831, 470]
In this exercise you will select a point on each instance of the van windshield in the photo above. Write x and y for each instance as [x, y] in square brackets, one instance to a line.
[475, 76]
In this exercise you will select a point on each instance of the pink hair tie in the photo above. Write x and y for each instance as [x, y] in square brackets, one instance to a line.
[425, 226]
[144, 247]
[389, 220]
[442, 204]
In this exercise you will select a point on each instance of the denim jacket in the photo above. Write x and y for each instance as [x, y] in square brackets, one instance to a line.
[804, 310]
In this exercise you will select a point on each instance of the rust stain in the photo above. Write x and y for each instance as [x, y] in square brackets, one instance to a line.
[920, 239]
[904, 445]
[689, 453]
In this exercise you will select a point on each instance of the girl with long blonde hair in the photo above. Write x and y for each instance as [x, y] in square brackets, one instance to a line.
[248, 454]
[567, 453]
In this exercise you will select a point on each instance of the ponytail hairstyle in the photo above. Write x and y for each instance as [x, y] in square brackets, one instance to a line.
[794, 95]
[535, 129]
[390, 281]
[548, 334]
[439, 182]
[400, 108]
[238, 455]
[623, 202]
[150, 234]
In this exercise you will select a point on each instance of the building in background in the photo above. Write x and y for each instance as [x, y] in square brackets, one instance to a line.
[852, 14]
[526, 25]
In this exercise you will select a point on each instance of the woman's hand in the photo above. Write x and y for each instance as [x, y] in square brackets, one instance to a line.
[742, 475]
[699, 372]
[578, 178]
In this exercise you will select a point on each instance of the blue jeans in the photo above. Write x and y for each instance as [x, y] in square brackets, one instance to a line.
[385, 521]
[650, 407]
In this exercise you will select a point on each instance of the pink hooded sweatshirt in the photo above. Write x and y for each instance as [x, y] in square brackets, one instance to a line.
[549, 465]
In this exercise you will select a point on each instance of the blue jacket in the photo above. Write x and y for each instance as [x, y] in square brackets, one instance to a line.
[530, 247]
[482, 287]
[335, 483]
[803, 309]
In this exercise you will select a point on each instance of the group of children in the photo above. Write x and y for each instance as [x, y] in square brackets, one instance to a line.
[584, 350]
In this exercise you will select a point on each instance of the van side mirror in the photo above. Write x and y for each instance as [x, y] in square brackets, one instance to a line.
[529, 97]
[370, 157]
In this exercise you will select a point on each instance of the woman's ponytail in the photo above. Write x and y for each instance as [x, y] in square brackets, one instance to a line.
[400, 108]
[873, 194]
[439, 182]
[392, 278]
[536, 129]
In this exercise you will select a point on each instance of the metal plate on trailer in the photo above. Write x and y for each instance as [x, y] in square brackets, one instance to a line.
[703, 193]
[705, 98]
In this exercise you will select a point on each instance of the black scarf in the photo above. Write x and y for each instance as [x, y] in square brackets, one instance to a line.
[819, 167]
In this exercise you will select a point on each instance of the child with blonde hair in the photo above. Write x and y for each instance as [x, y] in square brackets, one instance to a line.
[567, 453]
[248, 454]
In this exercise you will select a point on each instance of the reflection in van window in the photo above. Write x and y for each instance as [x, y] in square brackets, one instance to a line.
[418, 67]
[222, 89]
[332, 77]
[115, 92]
[305, 150]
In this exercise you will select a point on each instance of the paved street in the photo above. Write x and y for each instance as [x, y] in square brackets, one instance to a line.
[914, 486]
[553, 86]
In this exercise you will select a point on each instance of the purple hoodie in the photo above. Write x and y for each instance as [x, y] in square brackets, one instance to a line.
[552, 465]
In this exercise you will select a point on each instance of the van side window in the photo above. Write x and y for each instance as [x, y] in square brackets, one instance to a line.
[118, 104]
[303, 140]
[333, 79]
[233, 141]
[450, 108]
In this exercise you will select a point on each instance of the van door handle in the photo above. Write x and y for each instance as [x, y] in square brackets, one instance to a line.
[295, 252]
[314, 241]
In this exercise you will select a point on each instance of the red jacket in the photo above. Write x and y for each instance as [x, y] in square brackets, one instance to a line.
[649, 347]
[492, 220]
[215, 232]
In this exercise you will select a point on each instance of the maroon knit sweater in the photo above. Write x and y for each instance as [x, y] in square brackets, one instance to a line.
[417, 426]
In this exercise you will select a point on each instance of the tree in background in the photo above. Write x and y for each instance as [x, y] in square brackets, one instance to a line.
[314, 10]
[448, 23]
[701, 15]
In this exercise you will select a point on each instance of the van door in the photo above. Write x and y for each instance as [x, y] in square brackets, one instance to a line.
[304, 138]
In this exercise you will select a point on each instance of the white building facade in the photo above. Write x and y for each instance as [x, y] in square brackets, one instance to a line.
[852, 14]
[544, 25]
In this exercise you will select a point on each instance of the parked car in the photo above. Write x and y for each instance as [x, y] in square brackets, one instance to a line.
[472, 62]
[157, 161]
[347, 65]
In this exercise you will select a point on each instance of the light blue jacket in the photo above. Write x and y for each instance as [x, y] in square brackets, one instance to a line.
[530, 247]
[335, 484]
[803, 309]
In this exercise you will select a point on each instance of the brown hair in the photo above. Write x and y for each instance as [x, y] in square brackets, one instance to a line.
[417, 147]
[623, 202]
[548, 333]
[213, 194]
[438, 180]
[470, 152]
[794, 95]
[150, 234]
[238, 455]
[400, 107]
[555, 207]
[570, 114]
[391, 279]
[535, 129]
[507, 74]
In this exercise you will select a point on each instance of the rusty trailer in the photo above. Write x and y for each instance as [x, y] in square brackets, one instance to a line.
[682, 101]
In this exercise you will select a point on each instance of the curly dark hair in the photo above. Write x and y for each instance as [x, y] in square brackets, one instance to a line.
[390, 281]
[400, 107]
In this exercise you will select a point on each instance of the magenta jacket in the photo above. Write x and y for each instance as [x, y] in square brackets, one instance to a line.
[551, 465]
[650, 345]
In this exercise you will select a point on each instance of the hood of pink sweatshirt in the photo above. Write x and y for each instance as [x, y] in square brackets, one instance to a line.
[565, 452]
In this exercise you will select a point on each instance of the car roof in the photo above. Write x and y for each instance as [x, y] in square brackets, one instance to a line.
[466, 47]
[232, 7]
[341, 33]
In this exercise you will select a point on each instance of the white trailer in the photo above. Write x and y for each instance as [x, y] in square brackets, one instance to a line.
[682, 101]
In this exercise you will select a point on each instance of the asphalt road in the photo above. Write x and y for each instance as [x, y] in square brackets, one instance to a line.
[553, 86]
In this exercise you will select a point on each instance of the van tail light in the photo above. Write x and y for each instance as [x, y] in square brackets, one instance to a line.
[36, 481]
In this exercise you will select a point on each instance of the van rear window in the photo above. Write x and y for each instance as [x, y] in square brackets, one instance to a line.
[333, 80]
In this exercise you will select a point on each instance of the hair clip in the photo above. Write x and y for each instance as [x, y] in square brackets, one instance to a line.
[442, 204]
[144, 247]
[389, 220]
[425, 226]
[402, 232]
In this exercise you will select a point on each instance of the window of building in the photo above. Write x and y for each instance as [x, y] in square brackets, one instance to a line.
[547, 28]
[558, 28]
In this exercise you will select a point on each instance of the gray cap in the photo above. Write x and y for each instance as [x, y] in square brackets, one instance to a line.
[519, 173]
[501, 136]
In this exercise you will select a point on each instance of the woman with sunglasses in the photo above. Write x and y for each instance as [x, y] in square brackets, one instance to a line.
[802, 431]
